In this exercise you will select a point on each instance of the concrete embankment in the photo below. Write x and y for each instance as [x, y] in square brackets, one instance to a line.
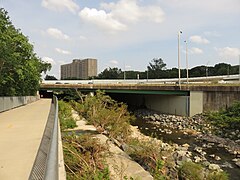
[120, 164]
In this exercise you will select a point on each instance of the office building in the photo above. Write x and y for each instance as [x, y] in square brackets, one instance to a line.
[79, 69]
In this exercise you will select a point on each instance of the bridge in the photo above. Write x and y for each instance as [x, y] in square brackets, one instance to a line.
[162, 95]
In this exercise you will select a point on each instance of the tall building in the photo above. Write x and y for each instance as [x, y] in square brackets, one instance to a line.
[79, 69]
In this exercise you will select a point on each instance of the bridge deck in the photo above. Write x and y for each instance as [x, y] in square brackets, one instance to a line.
[21, 130]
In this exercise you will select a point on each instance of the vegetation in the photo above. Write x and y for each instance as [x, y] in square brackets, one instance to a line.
[106, 114]
[226, 120]
[49, 77]
[217, 175]
[20, 68]
[84, 158]
[191, 171]
[65, 116]
[157, 69]
[148, 154]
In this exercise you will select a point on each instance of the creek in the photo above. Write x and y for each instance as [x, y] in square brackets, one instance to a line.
[210, 152]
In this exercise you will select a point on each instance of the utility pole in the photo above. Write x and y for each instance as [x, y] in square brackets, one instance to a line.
[179, 70]
[239, 68]
[186, 60]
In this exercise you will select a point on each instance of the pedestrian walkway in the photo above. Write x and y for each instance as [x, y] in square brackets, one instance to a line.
[21, 131]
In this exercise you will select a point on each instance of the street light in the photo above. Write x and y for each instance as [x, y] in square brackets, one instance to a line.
[186, 59]
[179, 70]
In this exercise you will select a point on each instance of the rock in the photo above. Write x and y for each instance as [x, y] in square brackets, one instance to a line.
[238, 163]
[235, 159]
[197, 159]
[226, 165]
[214, 167]
[217, 158]
[205, 163]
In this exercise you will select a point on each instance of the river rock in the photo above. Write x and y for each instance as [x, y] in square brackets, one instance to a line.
[238, 163]
[214, 167]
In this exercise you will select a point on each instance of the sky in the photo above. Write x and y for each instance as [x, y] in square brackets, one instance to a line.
[128, 34]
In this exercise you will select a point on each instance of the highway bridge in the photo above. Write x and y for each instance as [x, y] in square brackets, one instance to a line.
[163, 95]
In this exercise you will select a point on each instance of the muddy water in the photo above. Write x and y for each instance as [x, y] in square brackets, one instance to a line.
[147, 128]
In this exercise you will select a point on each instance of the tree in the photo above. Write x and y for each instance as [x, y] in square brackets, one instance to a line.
[156, 67]
[20, 68]
[111, 73]
[49, 77]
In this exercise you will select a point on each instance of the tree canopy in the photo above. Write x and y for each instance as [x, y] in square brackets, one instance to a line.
[20, 68]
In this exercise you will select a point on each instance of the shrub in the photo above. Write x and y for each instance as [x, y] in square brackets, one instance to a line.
[148, 154]
[84, 158]
[65, 116]
[106, 114]
[191, 171]
[217, 176]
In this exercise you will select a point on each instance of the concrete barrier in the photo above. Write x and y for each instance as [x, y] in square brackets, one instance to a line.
[7, 103]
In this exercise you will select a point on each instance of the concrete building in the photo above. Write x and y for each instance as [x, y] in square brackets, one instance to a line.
[79, 69]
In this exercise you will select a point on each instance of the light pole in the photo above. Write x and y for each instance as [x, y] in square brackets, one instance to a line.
[186, 60]
[239, 68]
[179, 70]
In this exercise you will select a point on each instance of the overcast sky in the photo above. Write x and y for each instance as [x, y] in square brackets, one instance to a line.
[128, 34]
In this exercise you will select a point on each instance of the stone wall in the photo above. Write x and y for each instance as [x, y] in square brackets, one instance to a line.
[7, 103]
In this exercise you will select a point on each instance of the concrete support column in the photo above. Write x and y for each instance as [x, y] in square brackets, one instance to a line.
[195, 102]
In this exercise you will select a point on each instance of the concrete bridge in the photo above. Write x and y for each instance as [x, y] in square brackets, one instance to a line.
[187, 100]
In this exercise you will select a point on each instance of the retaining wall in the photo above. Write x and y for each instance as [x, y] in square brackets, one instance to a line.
[7, 103]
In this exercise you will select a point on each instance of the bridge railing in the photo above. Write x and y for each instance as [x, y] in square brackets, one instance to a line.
[46, 162]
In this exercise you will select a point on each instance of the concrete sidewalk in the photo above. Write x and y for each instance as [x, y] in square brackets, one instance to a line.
[21, 131]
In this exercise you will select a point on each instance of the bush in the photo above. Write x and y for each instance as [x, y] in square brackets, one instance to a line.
[65, 116]
[191, 171]
[226, 120]
[217, 176]
[106, 114]
[84, 158]
[148, 154]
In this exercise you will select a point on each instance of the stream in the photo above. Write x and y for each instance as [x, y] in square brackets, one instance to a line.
[202, 150]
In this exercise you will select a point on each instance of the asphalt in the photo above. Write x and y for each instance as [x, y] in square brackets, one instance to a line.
[21, 130]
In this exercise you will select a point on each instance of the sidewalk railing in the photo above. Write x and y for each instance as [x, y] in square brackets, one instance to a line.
[46, 163]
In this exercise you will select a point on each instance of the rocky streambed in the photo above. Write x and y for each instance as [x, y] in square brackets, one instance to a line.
[193, 140]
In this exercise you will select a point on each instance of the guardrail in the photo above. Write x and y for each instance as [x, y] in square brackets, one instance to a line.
[46, 162]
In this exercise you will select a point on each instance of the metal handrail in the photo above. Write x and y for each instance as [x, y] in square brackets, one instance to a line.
[46, 162]
[52, 161]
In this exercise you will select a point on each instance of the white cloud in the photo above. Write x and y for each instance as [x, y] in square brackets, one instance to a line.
[228, 52]
[101, 19]
[195, 50]
[61, 51]
[60, 5]
[129, 10]
[82, 37]
[57, 34]
[199, 40]
[49, 60]
[117, 16]
[114, 62]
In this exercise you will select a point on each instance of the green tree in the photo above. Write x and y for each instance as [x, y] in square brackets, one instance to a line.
[20, 68]
[111, 73]
[156, 68]
[49, 77]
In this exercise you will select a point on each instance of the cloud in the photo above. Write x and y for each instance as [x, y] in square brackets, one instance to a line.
[199, 40]
[228, 52]
[129, 10]
[82, 37]
[49, 60]
[195, 50]
[57, 34]
[117, 16]
[60, 5]
[114, 62]
[101, 19]
[61, 51]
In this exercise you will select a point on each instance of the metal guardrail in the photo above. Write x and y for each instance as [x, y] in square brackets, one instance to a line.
[46, 163]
